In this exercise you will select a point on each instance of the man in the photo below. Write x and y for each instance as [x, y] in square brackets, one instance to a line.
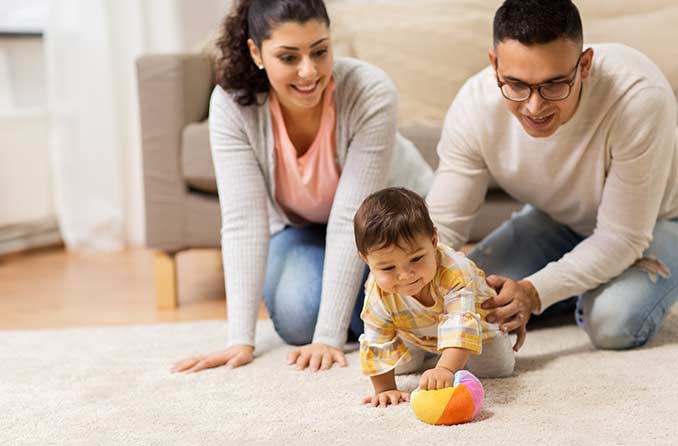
[587, 138]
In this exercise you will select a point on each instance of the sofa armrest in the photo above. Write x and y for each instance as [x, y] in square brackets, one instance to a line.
[174, 90]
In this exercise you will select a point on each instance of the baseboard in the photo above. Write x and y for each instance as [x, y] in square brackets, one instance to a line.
[28, 236]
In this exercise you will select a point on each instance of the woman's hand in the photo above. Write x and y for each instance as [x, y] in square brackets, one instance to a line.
[232, 357]
[383, 399]
[316, 357]
[514, 305]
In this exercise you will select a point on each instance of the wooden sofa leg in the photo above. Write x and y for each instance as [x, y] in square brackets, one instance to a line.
[166, 280]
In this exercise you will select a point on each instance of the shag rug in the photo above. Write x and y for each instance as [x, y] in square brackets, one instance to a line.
[112, 386]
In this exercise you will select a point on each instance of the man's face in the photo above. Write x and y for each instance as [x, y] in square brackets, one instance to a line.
[519, 65]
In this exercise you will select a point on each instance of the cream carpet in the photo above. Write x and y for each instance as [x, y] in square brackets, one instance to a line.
[111, 386]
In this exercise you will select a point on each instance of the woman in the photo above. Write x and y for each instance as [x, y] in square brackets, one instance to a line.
[298, 141]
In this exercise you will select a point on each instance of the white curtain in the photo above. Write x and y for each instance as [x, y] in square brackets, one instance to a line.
[91, 47]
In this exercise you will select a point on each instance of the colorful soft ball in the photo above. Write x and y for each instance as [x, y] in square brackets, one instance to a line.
[451, 405]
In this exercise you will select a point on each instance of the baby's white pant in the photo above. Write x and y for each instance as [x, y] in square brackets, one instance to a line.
[496, 360]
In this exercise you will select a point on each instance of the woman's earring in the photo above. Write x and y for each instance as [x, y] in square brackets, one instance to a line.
[261, 67]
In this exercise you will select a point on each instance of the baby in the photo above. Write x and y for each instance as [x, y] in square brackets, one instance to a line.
[422, 302]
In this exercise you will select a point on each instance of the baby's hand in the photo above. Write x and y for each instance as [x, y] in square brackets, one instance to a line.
[383, 399]
[436, 378]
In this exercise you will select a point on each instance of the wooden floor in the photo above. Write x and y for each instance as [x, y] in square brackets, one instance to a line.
[52, 288]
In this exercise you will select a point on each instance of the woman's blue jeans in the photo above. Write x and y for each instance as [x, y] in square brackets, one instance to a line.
[293, 284]
[623, 313]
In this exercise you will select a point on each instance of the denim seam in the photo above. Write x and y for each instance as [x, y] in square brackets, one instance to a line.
[647, 315]
[654, 308]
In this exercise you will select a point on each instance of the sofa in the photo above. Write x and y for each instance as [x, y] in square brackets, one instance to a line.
[428, 47]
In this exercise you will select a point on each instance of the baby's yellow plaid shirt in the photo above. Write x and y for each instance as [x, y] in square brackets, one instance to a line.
[454, 320]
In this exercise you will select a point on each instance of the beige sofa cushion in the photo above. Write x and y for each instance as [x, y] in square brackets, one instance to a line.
[650, 26]
[197, 168]
[430, 47]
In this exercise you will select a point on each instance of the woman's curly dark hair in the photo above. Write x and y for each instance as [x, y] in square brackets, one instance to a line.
[255, 19]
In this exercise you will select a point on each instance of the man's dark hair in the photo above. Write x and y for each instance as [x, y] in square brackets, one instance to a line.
[391, 216]
[533, 22]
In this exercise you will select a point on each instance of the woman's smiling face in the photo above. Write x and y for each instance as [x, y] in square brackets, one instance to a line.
[298, 60]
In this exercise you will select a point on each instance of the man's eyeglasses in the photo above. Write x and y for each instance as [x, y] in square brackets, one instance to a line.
[549, 91]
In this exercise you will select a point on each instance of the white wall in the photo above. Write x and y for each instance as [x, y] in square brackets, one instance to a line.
[135, 27]
[198, 23]
[25, 178]
[25, 181]
[23, 65]
[180, 25]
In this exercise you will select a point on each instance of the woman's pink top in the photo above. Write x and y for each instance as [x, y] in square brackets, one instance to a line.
[305, 185]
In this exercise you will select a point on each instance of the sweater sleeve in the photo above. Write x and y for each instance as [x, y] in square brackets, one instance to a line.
[641, 140]
[373, 113]
[244, 228]
[462, 178]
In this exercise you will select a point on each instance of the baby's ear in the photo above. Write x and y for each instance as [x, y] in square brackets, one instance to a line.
[435, 237]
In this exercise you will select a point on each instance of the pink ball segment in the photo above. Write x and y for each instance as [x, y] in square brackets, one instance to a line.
[473, 385]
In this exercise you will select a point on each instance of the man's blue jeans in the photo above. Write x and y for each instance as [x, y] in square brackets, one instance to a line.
[293, 284]
[623, 313]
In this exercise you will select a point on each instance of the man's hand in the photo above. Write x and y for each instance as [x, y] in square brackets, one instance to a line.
[383, 399]
[316, 357]
[436, 378]
[514, 304]
[232, 357]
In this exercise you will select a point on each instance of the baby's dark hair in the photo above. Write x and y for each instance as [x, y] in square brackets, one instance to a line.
[391, 216]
